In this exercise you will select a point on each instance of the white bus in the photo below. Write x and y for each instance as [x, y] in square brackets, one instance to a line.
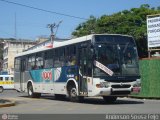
[95, 65]
[6, 82]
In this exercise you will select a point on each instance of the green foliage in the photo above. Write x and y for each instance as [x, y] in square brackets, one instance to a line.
[86, 28]
[150, 78]
[131, 22]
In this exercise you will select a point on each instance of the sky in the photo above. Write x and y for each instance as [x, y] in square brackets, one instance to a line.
[32, 23]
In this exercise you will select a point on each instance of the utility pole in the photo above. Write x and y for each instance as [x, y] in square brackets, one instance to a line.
[52, 27]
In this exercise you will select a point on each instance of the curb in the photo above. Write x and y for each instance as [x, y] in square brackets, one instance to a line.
[142, 97]
[8, 103]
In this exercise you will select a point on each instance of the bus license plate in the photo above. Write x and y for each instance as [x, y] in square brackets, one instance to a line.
[136, 90]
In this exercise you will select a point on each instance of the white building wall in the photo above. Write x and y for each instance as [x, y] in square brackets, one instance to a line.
[10, 49]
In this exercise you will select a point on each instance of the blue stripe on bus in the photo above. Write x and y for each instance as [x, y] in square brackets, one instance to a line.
[54, 74]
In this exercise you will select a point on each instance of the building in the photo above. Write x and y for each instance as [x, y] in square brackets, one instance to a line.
[10, 48]
[1, 54]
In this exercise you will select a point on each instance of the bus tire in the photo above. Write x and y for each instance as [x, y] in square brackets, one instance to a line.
[31, 93]
[73, 95]
[109, 99]
[1, 89]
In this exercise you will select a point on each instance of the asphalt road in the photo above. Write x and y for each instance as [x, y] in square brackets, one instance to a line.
[48, 105]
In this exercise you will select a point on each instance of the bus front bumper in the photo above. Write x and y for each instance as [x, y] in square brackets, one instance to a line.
[114, 92]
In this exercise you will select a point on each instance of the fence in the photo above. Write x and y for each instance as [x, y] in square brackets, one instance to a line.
[150, 77]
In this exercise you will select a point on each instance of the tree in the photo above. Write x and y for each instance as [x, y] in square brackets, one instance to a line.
[131, 22]
[85, 28]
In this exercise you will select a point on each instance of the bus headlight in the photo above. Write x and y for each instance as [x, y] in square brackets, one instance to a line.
[138, 83]
[103, 85]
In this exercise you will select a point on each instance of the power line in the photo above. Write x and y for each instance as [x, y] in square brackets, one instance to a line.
[40, 9]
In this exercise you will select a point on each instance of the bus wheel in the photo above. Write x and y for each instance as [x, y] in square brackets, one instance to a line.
[109, 99]
[73, 95]
[1, 89]
[31, 92]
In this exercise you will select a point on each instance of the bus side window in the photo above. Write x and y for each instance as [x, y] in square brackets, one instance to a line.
[67, 57]
[17, 64]
[61, 56]
[11, 78]
[71, 55]
[48, 59]
[1, 78]
[57, 58]
[31, 62]
[39, 61]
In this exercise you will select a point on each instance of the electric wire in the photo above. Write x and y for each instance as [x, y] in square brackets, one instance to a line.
[40, 9]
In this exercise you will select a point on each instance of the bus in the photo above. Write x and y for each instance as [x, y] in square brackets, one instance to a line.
[6, 82]
[103, 65]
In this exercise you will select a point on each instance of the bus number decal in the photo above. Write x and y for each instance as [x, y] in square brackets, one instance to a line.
[47, 75]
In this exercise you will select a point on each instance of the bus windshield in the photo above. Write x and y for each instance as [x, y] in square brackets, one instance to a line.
[119, 57]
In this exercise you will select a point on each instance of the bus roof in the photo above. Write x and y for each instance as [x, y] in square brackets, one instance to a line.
[6, 75]
[57, 44]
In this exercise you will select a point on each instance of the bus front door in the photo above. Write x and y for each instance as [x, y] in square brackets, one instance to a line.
[83, 89]
[22, 74]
